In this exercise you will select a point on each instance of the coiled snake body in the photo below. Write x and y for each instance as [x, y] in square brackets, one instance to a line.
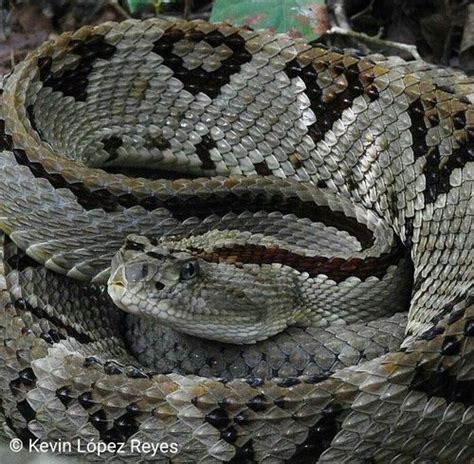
[323, 165]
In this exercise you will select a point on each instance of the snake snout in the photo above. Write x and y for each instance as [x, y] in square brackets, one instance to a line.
[117, 278]
[131, 274]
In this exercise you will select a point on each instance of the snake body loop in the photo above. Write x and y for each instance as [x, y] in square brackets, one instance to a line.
[228, 185]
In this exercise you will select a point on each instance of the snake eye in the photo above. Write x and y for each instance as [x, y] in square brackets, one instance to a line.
[189, 270]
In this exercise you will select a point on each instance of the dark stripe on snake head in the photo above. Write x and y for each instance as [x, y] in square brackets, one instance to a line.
[74, 82]
[133, 245]
[198, 79]
[155, 255]
[337, 269]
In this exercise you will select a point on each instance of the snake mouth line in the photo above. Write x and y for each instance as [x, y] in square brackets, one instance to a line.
[115, 285]
[114, 282]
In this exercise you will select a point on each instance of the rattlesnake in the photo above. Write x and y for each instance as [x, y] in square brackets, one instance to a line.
[299, 140]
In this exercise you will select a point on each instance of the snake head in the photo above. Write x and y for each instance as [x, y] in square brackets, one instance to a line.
[179, 287]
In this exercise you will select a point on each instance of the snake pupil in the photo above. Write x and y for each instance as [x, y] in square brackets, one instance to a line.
[189, 271]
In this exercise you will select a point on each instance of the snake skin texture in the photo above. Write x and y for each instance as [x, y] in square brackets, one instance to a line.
[243, 151]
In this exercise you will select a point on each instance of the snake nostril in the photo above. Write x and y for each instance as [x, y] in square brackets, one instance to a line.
[159, 286]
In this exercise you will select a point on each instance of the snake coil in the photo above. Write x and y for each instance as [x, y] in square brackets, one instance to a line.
[257, 155]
